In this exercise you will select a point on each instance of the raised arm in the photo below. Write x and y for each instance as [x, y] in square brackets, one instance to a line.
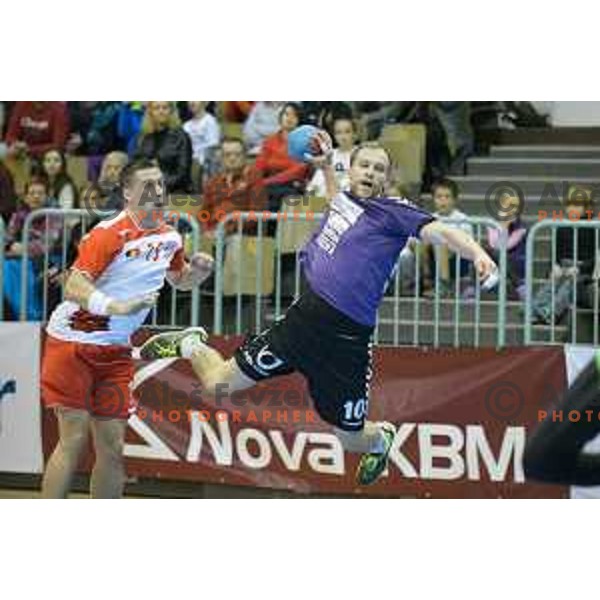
[323, 162]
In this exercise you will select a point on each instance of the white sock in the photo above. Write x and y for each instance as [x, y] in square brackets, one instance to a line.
[191, 344]
[378, 445]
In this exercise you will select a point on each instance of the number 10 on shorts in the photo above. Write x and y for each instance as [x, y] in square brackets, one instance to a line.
[355, 410]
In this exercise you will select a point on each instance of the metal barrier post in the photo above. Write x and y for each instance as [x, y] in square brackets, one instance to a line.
[196, 233]
[440, 307]
[219, 266]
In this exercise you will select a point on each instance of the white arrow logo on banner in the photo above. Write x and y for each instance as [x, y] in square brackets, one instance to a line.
[155, 448]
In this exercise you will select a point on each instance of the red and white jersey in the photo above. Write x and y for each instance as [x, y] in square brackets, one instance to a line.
[124, 261]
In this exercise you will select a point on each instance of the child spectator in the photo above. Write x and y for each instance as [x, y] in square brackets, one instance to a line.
[344, 134]
[513, 234]
[61, 189]
[36, 127]
[445, 199]
[163, 139]
[205, 134]
[236, 188]
[44, 233]
[262, 122]
[569, 270]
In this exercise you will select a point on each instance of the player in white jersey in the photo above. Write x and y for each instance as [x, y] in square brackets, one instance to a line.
[87, 367]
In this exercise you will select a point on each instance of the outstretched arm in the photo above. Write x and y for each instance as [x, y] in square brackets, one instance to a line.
[439, 233]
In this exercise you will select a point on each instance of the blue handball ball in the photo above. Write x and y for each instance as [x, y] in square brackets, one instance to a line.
[301, 142]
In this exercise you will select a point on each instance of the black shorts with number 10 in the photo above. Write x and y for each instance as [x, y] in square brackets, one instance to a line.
[331, 350]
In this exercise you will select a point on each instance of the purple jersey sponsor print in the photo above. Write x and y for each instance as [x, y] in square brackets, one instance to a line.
[350, 258]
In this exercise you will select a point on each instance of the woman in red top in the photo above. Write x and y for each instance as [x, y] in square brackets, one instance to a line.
[281, 175]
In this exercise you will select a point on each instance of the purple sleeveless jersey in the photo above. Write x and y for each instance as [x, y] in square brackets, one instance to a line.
[350, 258]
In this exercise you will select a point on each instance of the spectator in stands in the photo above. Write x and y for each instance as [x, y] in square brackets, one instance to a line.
[236, 188]
[450, 137]
[44, 233]
[344, 135]
[94, 128]
[237, 112]
[204, 132]
[262, 122]
[129, 124]
[35, 127]
[112, 167]
[80, 117]
[95, 201]
[455, 119]
[513, 233]
[445, 194]
[375, 115]
[576, 254]
[110, 180]
[324, 114]
[61, 189]
[7, 193]
[3, 119]
[163, 139]
[282, 176]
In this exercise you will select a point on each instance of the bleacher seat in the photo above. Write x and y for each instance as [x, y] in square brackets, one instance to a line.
[243, 263]
[295, 233]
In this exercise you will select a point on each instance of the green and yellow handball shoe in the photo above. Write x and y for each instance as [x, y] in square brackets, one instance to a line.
[168, 345]
[372, 465]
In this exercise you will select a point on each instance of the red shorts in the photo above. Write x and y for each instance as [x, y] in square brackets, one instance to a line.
[88, 377]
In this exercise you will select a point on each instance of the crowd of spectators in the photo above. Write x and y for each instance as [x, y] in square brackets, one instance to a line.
[233, 155]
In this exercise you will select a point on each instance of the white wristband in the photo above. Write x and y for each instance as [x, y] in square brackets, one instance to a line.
[98, 303]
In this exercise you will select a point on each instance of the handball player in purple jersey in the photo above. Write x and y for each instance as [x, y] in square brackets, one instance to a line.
[327, 332]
